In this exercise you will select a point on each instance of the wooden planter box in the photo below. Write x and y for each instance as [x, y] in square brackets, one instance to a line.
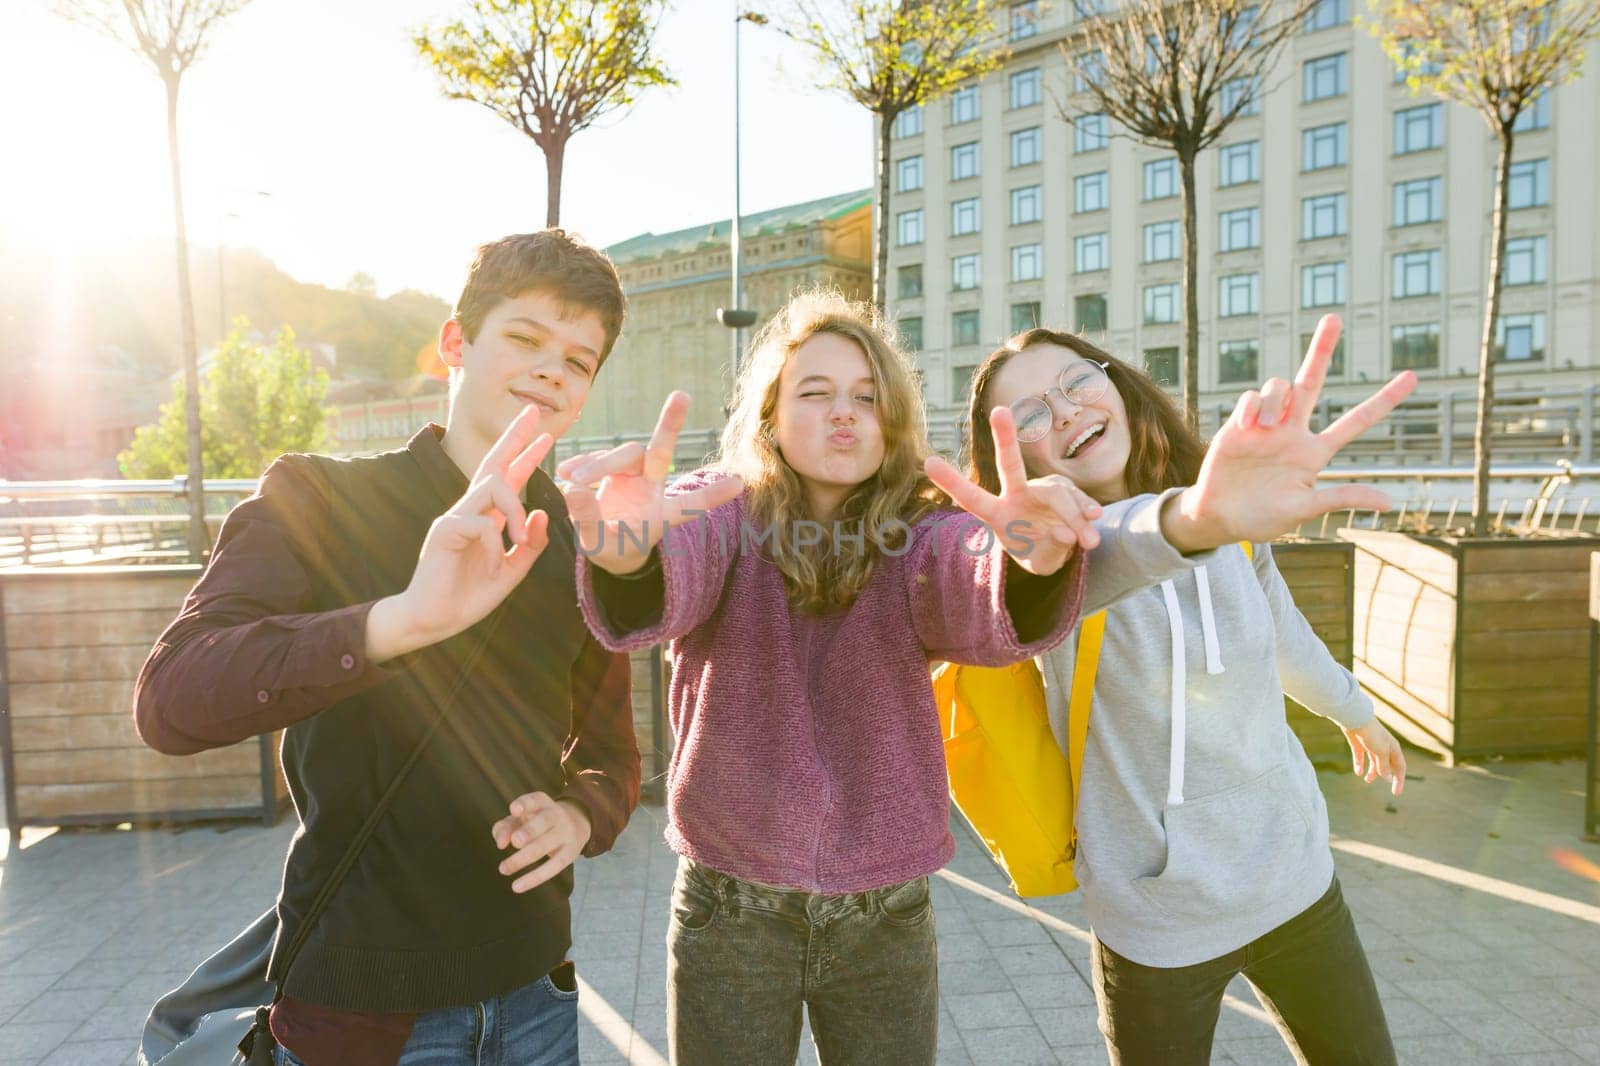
[1319, 575]
[1591, 779]
[72, 640]
[1473, 647]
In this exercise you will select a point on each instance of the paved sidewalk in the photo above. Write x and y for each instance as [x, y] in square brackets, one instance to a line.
[1485, 940]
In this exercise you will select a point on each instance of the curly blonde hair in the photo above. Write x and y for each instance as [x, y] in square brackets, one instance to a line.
[818, 577]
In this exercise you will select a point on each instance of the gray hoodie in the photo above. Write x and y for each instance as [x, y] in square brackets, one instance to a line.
[1200, 823]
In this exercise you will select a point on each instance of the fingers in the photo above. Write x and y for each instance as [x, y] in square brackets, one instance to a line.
[1397, 769]
[1348, 498]
[1074, 509]
[1314, 370]
[1247, 409]
[1356, 751]
[687, 506]
[538, 831]
[461, 533]
[536, 537]
[588, 469]
[517, 436]
[1007, 451]
[664, 441]
[521, 468]
[1277, 397]
[1369, 412]
[967, 496]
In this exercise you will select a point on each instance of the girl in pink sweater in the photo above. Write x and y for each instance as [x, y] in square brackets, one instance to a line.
[806, 581]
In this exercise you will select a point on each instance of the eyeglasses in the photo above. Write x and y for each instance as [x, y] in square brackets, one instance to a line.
[1081, 383]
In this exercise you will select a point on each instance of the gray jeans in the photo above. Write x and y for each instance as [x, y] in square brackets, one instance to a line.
[743, 958]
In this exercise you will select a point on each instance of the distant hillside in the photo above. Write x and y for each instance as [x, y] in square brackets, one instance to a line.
[118, 307]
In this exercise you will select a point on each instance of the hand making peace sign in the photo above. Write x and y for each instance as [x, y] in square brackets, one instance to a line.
[1039, 521]
[618, 497]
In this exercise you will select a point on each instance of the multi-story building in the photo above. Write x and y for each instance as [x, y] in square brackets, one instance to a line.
[676, 281]
[1341, 192]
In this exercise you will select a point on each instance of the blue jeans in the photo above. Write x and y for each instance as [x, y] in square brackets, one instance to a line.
[536, 1025]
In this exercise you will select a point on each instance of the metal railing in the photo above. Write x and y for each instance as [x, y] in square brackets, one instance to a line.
[105, 521]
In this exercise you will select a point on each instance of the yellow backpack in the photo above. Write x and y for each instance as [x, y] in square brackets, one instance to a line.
[1007, 774]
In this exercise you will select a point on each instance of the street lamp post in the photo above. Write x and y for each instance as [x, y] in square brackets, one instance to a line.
[737, 317]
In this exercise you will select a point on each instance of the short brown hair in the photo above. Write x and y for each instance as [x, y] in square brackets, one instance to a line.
[579, 276]
[1165, 452]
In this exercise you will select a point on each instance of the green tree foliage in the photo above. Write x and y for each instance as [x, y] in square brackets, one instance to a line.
[890, 56]
[256, 402]
[1496, 57]
[551, 68]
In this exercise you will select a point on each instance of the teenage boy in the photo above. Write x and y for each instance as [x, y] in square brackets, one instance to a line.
[356, 601]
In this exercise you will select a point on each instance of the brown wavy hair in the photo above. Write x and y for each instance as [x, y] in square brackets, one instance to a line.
[1165, 452]
[817, 577]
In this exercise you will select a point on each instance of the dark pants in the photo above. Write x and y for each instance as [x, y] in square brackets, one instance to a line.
[742, 959]
[1310, 972]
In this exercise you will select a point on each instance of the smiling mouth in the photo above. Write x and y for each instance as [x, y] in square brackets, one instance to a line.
[545, 405]
[1084, 440]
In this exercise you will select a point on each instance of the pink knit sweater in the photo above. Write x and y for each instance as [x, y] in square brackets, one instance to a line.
[807, 750]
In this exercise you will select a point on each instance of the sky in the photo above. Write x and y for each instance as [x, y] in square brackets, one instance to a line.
[324, 107]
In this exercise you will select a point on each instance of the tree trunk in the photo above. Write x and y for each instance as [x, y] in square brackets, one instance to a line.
[1491, 316]
[1190, 375]
[880, 261]
[199, 540]
[554, 154]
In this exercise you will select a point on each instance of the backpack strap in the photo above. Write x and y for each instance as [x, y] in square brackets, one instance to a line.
[1091, 633]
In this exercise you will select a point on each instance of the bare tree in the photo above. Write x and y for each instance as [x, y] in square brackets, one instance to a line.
[172, 35]
[551, 68]
[893, 55]
[1496, 57]
[1176, 75]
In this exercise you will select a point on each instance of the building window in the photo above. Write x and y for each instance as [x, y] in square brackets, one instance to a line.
[1160, 179]
[1323, 147]
[1336, 364]
[1414, 347]
[1091, 192]
[1322, 285]
[1160, 304]
[1027, 263]
[1520, 338]
[1090, 311]
[1024, 316]
[1530, 184]
[910, 227]
[1237, 230]
[1326, 15]
[1027, 205]
[1417, 129]
[909, 122]
[1162, 241]
[1162, 366]
[964, 161]
[1243, 92]
[1421, 200]
[964, 105]
[1416, 274]
[1240, 295]
[963, 328]
[1091, 252]
[910, 278]
[1025, 147]
[964, 217]
[1535, 116]
[1322, 216]
[1525, 261]
[1324, 77]
[1024, 19]
[909, 174]
[1026, 86]
[964, 272]
[1236, 361]
[1088, 68]
[911, 333]
[1240, 163]
[1089, 133]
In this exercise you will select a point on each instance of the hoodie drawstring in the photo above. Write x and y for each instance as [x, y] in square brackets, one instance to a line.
[1180, 672]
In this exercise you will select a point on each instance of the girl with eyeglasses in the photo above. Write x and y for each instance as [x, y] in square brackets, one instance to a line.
[1202, 835]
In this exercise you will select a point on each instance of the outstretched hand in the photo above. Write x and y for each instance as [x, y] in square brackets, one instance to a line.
[1259, 477]
[1040, 521]
[618, 498]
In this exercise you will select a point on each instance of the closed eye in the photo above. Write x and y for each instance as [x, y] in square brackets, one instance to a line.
[580, 366]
